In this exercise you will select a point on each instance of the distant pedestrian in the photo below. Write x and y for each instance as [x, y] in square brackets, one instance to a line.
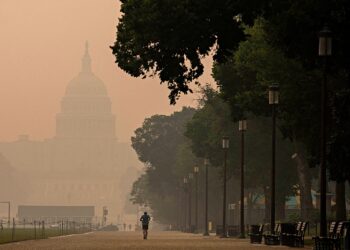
[145, 219]
[124, 226]
[130, 227]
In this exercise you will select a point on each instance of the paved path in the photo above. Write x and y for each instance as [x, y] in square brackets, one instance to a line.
[133, 240]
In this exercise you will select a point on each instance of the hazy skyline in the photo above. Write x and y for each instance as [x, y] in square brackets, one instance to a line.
[41, 47]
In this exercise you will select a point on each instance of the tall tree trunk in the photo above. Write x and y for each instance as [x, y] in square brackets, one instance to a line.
[340, 201]
[249, 207]
[267, 204]
[304, 176]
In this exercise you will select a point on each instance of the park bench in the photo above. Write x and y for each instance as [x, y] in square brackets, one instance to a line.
[256, 233]
[298, 238]
[288, 230]
[333, 241]
[295, 239]
[273, 239]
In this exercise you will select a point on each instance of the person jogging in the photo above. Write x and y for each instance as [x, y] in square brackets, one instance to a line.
[145, 221]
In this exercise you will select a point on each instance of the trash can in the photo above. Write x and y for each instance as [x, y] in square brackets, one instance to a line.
[255, 233]
[254, 229]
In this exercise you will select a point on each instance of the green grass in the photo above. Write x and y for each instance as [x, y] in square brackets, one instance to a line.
[21, 234]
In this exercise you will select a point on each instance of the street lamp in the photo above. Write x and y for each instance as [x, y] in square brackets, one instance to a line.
[273, 101]
[206, 231]
[325, 42]
[324, 50]
[185, 180]
[225, 146]
[242, 126]
[196, 171]
[190, 177]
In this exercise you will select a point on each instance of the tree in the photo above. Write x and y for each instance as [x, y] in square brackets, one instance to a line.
[168, 39]
[161, 38]
[167, 155]
[339, 150]
[213, 120]
[244, 82]
[157, 143]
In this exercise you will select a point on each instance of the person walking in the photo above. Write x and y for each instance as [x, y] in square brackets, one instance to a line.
[145, 219]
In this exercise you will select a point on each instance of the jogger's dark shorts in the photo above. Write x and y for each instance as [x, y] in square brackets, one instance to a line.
[145, 227]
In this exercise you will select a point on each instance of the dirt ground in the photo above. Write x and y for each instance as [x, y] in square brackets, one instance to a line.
[133, 240]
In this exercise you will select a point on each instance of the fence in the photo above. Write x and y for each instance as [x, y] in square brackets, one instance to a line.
[22, 230]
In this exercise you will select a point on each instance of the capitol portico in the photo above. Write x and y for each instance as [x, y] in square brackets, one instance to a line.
[83, 164]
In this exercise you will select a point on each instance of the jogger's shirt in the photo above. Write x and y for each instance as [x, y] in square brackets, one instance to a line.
[145, 219]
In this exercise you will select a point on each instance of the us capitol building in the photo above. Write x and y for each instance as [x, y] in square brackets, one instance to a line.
[83, 164]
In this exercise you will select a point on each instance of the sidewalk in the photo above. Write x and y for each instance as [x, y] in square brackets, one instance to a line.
[133, 240]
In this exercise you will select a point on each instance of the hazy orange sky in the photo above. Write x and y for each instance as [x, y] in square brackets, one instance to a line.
[41, 45]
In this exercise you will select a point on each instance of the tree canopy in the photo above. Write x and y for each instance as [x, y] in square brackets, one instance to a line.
[213, 120]
[244, 81]
[254, 43]
[157, 144]
[170, 146]
[168, 39]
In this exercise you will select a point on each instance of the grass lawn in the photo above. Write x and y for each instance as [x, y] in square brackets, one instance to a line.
[20, 234]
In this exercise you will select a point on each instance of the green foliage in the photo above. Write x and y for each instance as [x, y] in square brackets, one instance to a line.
[339, 149]
[292, 27]
[255, 66]
[294, 217]
[160, 144]
[168, 39]
[207, 127]
[139, 192]
[213, 120]
[244, 82]
[169, 156]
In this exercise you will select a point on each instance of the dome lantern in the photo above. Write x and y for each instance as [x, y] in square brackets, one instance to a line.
[86, 60]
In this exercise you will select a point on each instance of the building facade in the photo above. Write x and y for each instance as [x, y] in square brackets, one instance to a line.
[56, 214]
[83, 164]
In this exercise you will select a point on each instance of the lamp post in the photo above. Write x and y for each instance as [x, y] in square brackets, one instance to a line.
[273, 101]
[206, 231]
[225, 146]
[196, 171]
[185, 180]
[242, 127]
[324, 50]
[190, 177]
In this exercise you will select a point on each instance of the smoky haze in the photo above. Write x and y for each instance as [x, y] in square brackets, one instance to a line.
[62, 143]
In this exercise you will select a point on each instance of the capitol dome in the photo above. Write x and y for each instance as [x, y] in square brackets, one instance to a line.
[86, 107]
[86, 83]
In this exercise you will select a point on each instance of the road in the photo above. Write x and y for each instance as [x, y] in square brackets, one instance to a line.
[133, 240]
